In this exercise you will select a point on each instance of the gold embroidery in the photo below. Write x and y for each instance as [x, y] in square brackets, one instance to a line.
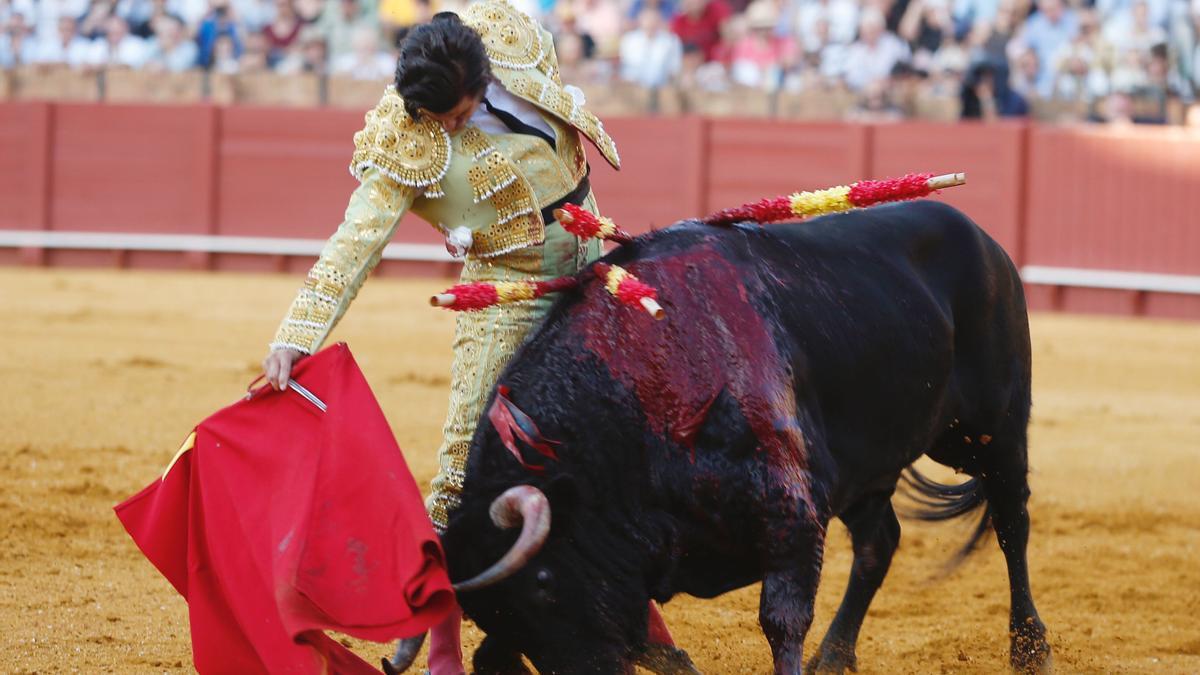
[553, 98]
[475, 142]
[409, 152]
[512, 39]
[345, 261]
[484, 342]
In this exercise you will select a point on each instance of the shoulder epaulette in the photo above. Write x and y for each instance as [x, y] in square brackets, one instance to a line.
[410, 152]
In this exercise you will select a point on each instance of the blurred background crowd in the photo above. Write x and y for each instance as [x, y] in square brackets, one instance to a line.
[1100, 60]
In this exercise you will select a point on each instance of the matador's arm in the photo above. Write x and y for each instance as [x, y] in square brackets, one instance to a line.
[371, 218]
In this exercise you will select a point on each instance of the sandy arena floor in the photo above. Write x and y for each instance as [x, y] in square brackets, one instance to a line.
[105, 373]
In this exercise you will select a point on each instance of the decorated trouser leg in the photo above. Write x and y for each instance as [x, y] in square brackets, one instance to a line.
[484, 342]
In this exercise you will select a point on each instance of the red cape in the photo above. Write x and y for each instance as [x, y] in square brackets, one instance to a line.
[282, 521]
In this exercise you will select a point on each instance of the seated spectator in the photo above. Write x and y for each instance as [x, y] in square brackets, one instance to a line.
[225, 55]
[650, 55]
[569, 26]
[874, 54]
[146, 26]
[282, 31]
[875, 105]
[1046, 32]
[1026, 80]
[1129, 72]
[119, 47]
[573, 65]
[17, 46]
[901, 91]
[1081, 68]
[309, 54]
[1132, 30]
[171, 50]
[699, 24]
[66, 47]
[951, 56]
[337, 24]
[601, 20]
[254, 55]
[92, 25]
[366, 61]
[924, 26]
[1188, 44]
[217, 23]
[1159, 10]
[969, 13]
[665, 9]
[46, 15]
[987, 96]
[840, 19]
[824, 55]
[26, 8]
[759, 57]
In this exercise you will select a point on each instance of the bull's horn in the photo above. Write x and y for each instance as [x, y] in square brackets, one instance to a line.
[523, 504]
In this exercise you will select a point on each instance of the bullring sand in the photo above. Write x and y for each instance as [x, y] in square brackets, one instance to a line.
[104, 373]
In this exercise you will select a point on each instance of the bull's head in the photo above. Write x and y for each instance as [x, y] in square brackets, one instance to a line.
[557, 592]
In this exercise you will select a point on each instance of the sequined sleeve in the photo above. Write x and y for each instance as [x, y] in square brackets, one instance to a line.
[348, 257]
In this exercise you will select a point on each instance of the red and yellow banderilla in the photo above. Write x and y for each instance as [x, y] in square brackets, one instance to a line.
[619, 283]
[836, 199]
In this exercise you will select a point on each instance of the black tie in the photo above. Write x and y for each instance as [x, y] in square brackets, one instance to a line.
[517, 126]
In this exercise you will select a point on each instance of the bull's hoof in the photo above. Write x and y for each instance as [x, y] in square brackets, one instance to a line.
[666, 660]
[1029, 652]
[832, 659]
[406, 652]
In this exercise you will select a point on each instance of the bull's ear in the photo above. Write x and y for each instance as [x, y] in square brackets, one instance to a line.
[563, 494]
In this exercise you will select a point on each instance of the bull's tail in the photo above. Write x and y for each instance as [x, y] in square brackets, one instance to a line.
[934, 501]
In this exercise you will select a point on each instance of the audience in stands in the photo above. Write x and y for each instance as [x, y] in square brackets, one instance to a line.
[1103, 60]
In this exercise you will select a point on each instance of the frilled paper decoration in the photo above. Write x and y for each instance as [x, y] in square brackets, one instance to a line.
[628, 289]
[587, 225]
[476, 296]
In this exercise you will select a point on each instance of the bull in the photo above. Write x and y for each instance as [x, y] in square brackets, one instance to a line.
[800, 372]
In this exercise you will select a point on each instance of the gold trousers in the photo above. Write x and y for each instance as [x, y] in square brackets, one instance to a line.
[484, 343]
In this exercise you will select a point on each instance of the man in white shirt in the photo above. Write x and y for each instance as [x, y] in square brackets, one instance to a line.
[651, 55]
[66, 46]
[875, 53]
[365, 61]
[118, 47]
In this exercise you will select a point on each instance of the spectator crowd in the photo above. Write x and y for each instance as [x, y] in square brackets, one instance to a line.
[1106, 59]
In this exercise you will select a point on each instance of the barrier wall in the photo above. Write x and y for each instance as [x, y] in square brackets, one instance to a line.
[1100, 219]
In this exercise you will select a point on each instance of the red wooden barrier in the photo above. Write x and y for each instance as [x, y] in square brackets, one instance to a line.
[751, 159]
[1114, 199]
[662, 174]
[24, 174]
[1091, 198]
[118, 168]
[992, 155]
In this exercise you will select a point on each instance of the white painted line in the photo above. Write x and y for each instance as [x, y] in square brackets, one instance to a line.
[202, 243]
[1128, 281]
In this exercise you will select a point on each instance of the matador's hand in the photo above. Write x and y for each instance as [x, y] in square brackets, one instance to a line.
[278, 366]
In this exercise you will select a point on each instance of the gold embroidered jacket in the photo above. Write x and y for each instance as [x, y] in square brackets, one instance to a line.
[494, 185]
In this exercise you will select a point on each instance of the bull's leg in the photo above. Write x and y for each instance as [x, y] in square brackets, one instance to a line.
[495, 657]
[789, 589]
[1007, 492]
[875, 533]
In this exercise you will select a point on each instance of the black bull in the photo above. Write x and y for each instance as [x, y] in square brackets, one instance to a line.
[801, 368]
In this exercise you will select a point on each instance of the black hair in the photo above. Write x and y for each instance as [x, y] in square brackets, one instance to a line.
[440, 63]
